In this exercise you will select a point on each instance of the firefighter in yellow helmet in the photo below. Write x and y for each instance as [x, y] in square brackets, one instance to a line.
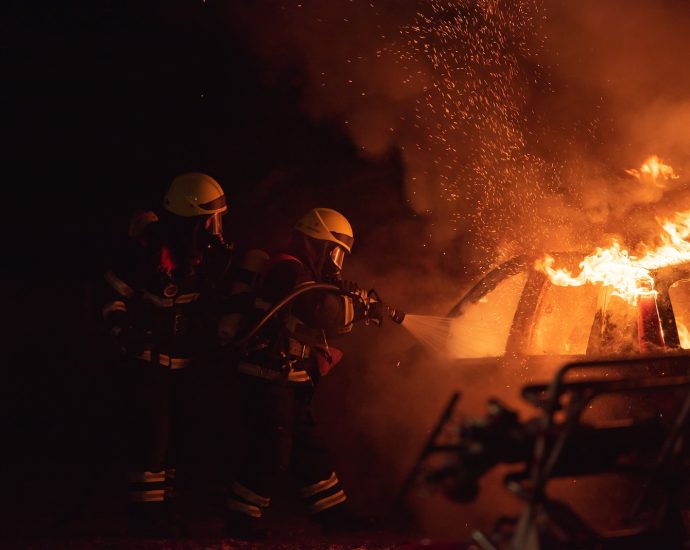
[280, 368]
[155, 291]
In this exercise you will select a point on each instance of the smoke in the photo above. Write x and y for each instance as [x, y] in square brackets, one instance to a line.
[443, 84]
[620, 81]
[514, 120]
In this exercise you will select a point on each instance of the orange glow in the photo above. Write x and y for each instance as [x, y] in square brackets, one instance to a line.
[629, 275]
[684, 335]
[649, 331]
[654, 171]
[483, 329]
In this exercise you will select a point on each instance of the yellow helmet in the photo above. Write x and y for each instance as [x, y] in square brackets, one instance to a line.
[325, 224]
[195, 194]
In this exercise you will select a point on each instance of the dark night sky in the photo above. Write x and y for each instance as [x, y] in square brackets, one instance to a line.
[109, 101]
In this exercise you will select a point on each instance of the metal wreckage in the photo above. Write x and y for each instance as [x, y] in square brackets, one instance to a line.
[617, 407]
[648, 446]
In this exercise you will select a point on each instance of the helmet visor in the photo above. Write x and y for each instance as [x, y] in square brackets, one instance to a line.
[216, 204]
[214, 223]
[347, 240]
[338, 256]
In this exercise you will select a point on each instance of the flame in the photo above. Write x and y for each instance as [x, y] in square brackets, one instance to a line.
[628, 275]
[654, 171]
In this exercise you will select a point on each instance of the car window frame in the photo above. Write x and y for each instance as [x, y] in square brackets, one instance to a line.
[536, 284]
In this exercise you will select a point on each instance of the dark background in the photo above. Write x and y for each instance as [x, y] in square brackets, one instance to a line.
[104, 103]
[108, 102]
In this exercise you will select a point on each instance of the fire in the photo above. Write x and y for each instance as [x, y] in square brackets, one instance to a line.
[654, 171]
[611, 266]
[628, 275]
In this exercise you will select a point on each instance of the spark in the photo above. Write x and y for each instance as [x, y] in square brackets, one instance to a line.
[484, 59]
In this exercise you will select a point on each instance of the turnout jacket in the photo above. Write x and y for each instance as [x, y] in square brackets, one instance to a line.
[153, 307]
[294, 346]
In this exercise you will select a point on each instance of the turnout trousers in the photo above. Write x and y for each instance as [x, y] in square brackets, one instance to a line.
[158, 427]
[278, 434]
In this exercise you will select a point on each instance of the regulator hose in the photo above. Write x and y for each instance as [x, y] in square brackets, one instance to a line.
[285, 301]
[395, 314]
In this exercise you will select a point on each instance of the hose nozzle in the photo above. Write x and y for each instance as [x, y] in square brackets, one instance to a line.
[396, 315]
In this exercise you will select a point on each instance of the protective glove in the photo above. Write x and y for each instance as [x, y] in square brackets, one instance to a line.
[376, 313]
[375, 310]
[368, 305]
[349, 287]
[359, 295]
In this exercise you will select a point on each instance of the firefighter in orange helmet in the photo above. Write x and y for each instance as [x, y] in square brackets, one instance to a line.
[278, 372]
[155, 291]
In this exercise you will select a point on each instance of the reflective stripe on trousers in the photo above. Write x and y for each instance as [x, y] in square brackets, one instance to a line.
[323, 494]
[170, 476]
[245, 501]
[166, 360]
[146, 486]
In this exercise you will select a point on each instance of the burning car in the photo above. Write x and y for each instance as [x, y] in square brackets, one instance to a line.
[516, 311]
[617, 303]
[517, 326]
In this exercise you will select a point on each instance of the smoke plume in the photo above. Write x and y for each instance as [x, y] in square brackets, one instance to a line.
[514, 119]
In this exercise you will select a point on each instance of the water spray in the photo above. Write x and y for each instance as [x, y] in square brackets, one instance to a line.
[430, 330]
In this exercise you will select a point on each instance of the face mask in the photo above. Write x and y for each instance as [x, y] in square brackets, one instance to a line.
[211, 235]
[332, 270]
[214, 224]
[338, 256]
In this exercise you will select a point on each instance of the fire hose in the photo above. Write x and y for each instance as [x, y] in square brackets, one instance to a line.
[395, 315]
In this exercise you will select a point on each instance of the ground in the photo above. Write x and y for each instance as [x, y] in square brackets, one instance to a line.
[57, 511]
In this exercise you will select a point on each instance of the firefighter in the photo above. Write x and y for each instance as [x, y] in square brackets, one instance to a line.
[155, 293]
[279, 370]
